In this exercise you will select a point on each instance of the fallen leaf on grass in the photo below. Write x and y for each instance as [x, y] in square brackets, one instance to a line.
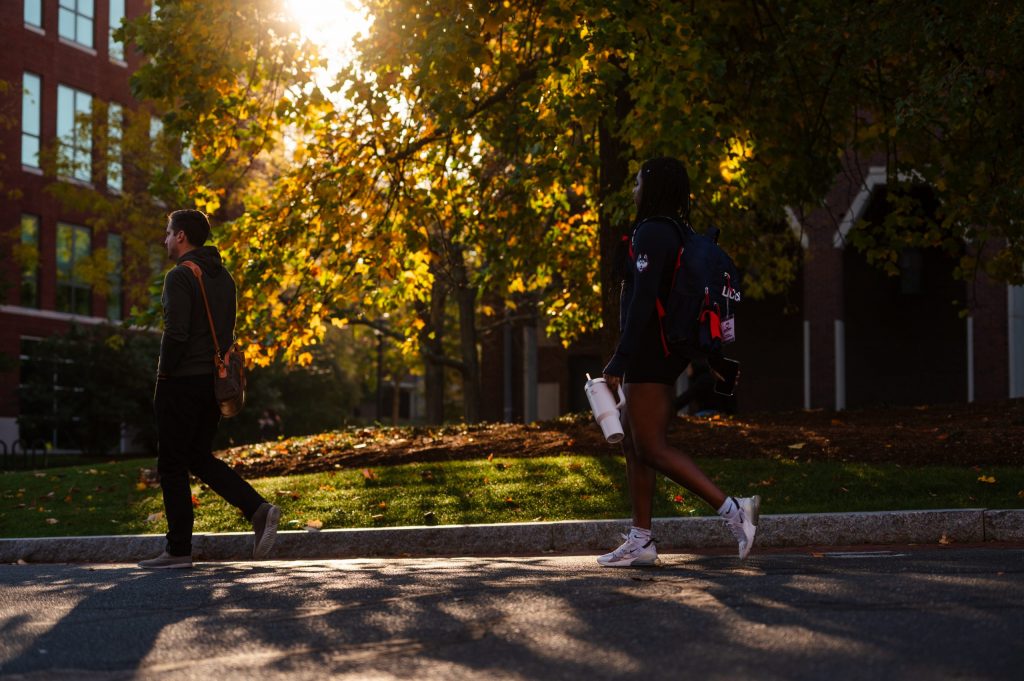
[140, 487]
[944, 540]
[490, 457]
[990, 479]
[383, 504]
[314, 525]
[678, 498]
[798, 445]
[155, 517]
[1020, 494]
[52, 521]
[288, 493]
[369, 474]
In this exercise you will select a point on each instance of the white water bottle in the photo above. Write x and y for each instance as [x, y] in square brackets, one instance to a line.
[606, 410]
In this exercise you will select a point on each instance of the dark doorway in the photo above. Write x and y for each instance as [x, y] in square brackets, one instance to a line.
[905, 340]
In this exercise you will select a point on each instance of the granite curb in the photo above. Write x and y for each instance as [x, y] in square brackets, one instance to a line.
[957, 526]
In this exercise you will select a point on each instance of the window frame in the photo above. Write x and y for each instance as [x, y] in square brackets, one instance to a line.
[30, 276]
[79, 299]
[115, 48]
[31, 99]
[81, 22]
[81, 151]
[115, 136]
[38, 9]
[115, 295]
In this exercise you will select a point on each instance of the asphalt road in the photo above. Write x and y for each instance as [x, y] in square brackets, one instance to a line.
[948, 613]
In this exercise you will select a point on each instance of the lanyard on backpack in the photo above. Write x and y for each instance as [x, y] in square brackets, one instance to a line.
[728, 323]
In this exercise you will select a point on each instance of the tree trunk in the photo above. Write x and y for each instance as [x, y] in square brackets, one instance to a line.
[432, 315]
[613, 151]
[466, 297]
[396, 400]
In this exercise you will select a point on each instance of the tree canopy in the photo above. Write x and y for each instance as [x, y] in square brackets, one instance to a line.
[474, 160]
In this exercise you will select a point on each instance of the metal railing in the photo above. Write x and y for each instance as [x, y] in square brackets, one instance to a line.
[32, 455]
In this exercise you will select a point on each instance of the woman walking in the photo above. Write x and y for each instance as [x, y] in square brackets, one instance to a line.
[662, 195]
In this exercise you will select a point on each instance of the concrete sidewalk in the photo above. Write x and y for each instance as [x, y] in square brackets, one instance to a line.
[958, 526]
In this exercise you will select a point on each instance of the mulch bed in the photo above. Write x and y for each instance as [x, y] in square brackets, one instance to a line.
[959, 434]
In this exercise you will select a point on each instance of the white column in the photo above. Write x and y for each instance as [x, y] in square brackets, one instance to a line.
[970, 359]
[1015, 338]
[840, 352]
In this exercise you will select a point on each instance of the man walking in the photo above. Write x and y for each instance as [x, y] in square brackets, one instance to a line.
[187, 413]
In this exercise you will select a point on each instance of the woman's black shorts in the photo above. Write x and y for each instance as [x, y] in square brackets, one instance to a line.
[650, 365]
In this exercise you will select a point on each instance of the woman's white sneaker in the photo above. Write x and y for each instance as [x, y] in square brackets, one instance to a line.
[743, 523]
[633, 553]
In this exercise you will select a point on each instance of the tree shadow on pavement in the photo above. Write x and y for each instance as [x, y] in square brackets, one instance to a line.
[777, 617]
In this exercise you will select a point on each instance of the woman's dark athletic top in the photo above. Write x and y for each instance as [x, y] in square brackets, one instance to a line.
[640, 356]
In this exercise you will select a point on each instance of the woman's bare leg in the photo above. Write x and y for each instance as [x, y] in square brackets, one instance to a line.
[641, 481]
[650, 407]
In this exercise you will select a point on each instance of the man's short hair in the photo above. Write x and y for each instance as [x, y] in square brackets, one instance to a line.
[193, 222]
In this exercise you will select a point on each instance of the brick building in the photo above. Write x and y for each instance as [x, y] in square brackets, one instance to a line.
[58, 59]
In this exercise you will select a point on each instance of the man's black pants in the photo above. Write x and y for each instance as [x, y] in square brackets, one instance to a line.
[186, 417]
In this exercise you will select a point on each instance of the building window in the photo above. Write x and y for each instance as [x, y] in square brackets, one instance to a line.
[115, 125]
[47, 397]
[74, 246]
[74, 21]
[115, 297]
[28, 256]
[116, 47]
[34, 13]
[74, 132]
[30, 119]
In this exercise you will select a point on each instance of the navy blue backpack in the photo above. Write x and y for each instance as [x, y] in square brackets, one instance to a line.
[699, 315]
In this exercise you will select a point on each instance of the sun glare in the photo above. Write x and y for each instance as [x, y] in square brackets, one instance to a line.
[331, 24]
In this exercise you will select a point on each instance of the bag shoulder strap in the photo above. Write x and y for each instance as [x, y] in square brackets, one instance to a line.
[198, 272]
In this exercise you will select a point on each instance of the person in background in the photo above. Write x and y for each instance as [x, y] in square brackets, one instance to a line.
[662, 195]
[186, 409]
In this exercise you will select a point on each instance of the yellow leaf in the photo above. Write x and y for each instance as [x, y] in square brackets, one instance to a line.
[340, 323]
[305, 359]
[314, 524]
[990, 479]
[944, 540]
[798, 445]
[140, 486]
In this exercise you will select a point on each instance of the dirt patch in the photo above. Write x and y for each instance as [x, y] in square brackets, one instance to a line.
[960, 434]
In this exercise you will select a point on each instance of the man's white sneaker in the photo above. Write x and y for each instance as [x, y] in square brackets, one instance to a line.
[743, 524]
[632, 553]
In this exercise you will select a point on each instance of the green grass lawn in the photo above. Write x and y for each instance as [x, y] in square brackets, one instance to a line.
[110, 499]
